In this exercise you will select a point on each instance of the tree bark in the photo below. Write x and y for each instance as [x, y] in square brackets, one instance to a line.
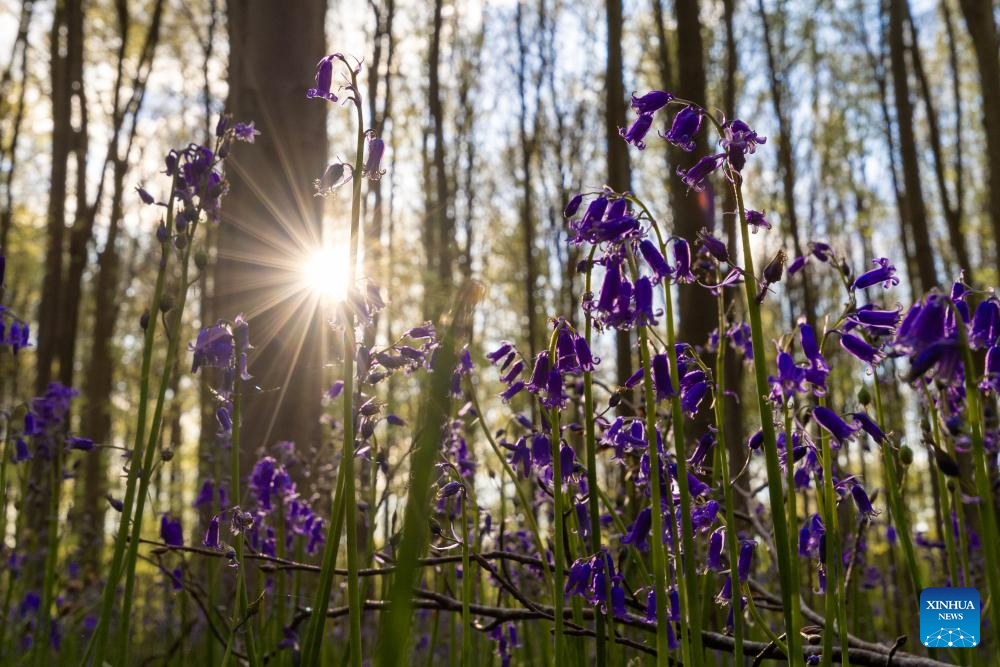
[786, 156]
[983, 29]
[693, 210]
[619, 165]
[527, 152]
[913, 193]
[951, 207]
[270, 216]
[439, 226]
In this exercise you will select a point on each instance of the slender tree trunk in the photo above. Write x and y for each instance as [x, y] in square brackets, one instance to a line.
[951, 208]
[693, 210]
[270, 215]
[8, 156]
[439, 224]
[878, 66]
[99, 383]
[527, 150]
[619, 165]
[979, 20]
[956, 96]
[64, 46]
[914, 195]
[786, 156]
[734, 363]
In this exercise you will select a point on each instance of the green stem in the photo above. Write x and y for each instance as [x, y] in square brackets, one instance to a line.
[557, 582]
[348, 499]
[98, 644]
[466, 589]
[984, 486]
[792, 636]
[41, 644]
[656, 541]
[242, 596]
[149, 454]
[766, 418]
[722, 444]
[593, 503]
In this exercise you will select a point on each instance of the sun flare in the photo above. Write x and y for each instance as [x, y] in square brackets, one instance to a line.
[324, 272]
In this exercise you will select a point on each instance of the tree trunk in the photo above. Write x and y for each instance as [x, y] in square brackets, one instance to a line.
[786, 157]
[270, 216]
[619, 166]
[983, 30]
[527, 150]
[878, 65]
[693, 210]
[734, 363]
[914, 195]
[952, 210]
[99, 383]
[439, 226]
[65, 45]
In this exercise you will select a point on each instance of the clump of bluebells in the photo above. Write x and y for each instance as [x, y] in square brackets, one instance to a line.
[582, 516]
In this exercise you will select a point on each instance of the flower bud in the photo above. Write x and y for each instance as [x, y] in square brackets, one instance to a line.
[166, 303]
[905, 455]
[144, 320]
[167, 454]
[200, 260]
[864, 397]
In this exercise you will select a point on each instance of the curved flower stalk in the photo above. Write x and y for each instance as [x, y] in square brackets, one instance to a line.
[197, 188]
[345, 499]
[226, 345]
[738, 140]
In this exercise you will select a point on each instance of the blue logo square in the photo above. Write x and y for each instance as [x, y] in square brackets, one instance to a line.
[949, 617]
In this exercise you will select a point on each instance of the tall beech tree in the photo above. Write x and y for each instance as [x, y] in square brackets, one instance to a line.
[270, 212]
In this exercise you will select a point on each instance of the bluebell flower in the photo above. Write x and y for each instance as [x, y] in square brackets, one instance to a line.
[245, 132]
[213, 348]
[637, 132]
[211, 539]
[684, 129]
[738, 141]
[745, 560]
[376, 148]
[694, 177]
[644, 314]
[757, 220]
[682, 261]
[170, 531]
[540, 374]
[715, 544]
[713, 246]
[862, 501]
[651, 102]
[638, 534]
[324, 80]
[860, 349]
[655, 260]
[985, 325]
[841, 431]
[573, 206]
[869, 426]
[884, 274]
[876, 322]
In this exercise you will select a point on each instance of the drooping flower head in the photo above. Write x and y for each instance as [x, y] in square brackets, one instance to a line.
[636, 133]
[684, 130]
[739, 140]
[884, 273]
[324, 80]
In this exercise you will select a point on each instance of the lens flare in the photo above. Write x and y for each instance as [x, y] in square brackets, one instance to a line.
[324, 272]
